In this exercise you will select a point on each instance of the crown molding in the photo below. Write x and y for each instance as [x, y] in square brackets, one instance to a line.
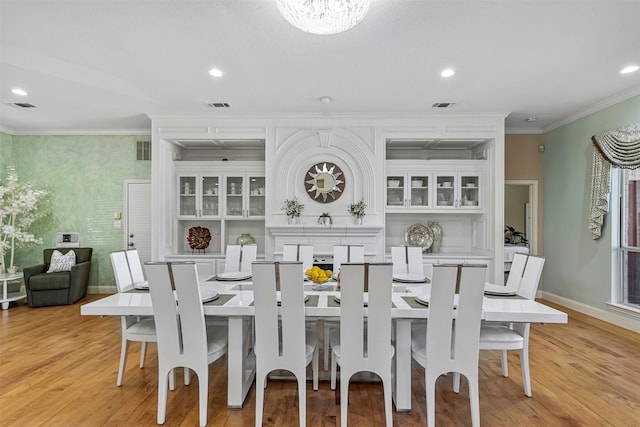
[520, 131]
[7, 130]
[85, 132]
[608, 102]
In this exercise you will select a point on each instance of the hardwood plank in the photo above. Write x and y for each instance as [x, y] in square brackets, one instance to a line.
[59, 369]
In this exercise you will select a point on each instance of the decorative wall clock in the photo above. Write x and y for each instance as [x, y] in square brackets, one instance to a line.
[324, 182]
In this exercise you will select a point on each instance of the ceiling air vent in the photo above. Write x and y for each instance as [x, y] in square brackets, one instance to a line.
[217, 104]
[22, 105]
[443, 104]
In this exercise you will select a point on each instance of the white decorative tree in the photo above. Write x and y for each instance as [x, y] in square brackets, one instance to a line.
[20, 207]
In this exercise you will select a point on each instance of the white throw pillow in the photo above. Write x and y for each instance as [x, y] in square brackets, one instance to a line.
[60, 262]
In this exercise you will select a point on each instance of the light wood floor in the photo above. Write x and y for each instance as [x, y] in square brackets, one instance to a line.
[58, 368]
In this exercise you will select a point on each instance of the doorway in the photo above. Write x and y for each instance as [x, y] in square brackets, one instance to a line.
[137, 222]
[521, 209]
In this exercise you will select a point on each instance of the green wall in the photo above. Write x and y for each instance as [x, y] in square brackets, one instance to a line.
[85, 176]
[6, 153]
[577, 267]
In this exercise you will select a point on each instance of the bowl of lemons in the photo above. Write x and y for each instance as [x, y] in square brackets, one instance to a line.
[318, 275]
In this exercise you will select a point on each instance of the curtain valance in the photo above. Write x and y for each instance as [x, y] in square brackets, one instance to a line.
[619, 147]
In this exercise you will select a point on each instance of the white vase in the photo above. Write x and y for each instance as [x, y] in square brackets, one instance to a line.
[293, 220]
[357, 220]
[436, 229]
[13, 269]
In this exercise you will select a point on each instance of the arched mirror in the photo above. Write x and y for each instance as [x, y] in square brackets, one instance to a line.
[324, 182]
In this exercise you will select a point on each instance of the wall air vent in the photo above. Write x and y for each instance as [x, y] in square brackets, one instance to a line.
[443, 104]
[217, 104]
[22, 105]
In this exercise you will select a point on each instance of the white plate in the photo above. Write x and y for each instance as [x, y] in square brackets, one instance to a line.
[234, 275]
[209, 296]
[143, 286]
[424, 299]
[409, 278]
[498, 290]
[366, 298]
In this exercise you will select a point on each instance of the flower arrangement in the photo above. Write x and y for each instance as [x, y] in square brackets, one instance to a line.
[292, 207]
[21, 204]
[357, 209]
[325, 219]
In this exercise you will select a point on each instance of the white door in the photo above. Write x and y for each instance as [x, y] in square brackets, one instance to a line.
[138, 218]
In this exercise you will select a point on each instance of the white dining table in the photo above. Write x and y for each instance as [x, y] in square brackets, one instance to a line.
[236, 304]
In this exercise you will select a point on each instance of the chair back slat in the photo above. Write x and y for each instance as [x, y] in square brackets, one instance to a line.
[193, 331]
[516, 271]
[407, 260]
[121, 271]
[135, 266]
[165, 310]
[531, 277]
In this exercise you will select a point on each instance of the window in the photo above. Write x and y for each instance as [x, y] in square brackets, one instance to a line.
[630, 237]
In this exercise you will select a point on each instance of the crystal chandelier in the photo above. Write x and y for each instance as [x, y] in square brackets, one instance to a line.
[323, 16]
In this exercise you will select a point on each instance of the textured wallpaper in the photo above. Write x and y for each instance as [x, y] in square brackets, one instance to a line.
[85, 176]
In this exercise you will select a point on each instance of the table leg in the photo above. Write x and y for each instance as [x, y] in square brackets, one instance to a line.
[5, 305]
[240, 361]
[402, 366]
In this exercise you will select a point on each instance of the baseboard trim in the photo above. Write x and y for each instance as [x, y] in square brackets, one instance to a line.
[604, 315]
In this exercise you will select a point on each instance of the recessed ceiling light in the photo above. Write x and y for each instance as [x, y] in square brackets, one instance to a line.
[215, 72]
[326, 99]
[447, 72]
[629, 69]
[531, 119]
[18, 91]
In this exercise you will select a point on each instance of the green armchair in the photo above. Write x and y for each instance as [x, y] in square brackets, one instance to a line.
[59, 288]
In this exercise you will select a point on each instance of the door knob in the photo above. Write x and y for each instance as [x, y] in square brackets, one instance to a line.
[131, 244]
[131, 235]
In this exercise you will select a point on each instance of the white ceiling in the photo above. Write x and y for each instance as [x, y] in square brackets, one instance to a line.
[102, 66]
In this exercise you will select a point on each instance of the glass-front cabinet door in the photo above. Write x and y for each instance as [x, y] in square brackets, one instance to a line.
[255, 197]
[396, 191]
[234, 188]
[419, 192]
[210, 197]
[469, 196]
[188, 198]
[198, 196]
[245, 196]
[446, 190]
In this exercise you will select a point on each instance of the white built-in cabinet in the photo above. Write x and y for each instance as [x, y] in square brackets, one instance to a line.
[434, 185]
[226, 197]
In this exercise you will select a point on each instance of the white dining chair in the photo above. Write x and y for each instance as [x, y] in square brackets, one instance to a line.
[341, 254]
[515, 336]
[183, 339]
[450, 340]
[134, 328]
[407, 260]
[303, 253]
[135, 266]
[347, 254]
[281, 339]
[351, 347]
[238, 258]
